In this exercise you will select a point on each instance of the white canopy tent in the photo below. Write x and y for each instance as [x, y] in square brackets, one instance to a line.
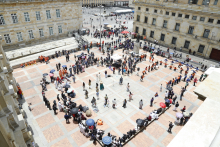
[116, 57]
[211, 69]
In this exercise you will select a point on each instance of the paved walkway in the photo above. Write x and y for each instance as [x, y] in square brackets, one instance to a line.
[52, 131]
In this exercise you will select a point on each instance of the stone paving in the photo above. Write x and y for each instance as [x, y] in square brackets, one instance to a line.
[52, 130]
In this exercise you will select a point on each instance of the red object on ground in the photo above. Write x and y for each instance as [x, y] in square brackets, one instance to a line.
[124, 32]
[170, 101]
[162, 105]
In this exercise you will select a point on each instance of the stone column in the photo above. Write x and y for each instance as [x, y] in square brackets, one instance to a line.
[3, 104]
[5, 59]
[136, 47]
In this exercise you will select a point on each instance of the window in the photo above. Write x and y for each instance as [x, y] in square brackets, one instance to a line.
[19, 36]
[173, 14]
[167, 13]
[139, 8]
[191, 30]
[41, 32]
[144, 31]
[177, 27]
[174, 40]
[51, 30]
[2, 21]
[152, 34]
[138, 17]
[14, 18]
[180, 15]
[7, 38]
[193, 1]
[26, 17]
[165, 23]
[60, 29]
[136, 29]
[31, 35]
[206, 33]
[201, 48]
[215, 2]
[205, 2]
[187, 16]
[48, 14]
[58, 13]
[162, 37]
[147, 9]
[194, 17]
[202, 18]
[38, 15]
[145, 19]
[210, 20]
[155, 10]
[186, 45]
[218, 22]
[154, 21]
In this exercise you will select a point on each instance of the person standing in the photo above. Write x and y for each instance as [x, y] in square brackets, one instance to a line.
[106, 74]
[200, 79]
[183, 110]
[48, 105]
[161, 88]
[59, 65]
[187, 83]
[124, 103]
[130, 96]
[176, 106]
[140, 104]
[170, 127]
[83, 86]
[89, 84]
[151, 101]
[67, 117]
[70, 69]
[128, 87]
[195, 81]
[99, 77]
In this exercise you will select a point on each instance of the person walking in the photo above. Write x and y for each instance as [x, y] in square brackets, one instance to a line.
[151, 101]
[170, 127]
[106, 74]
[48, 105]
[124, 103]
[54, 109]
[70, 69]
[128, 87]
[74, 78]
[59, 65]
[187, 83]
[174, 99]
[183, 110]
[83, 86]
[176, 106]
[140, 104]
[200, 79]
[130, 96]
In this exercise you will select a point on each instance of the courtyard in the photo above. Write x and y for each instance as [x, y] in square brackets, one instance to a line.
[52, 131]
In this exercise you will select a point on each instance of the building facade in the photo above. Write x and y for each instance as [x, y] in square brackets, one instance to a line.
[186, 24]
[13, 126]
[95, 3]
[122, 3]
[24, 22]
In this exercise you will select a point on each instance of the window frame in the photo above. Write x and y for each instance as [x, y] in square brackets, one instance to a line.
[19, 36]
[190, 31]
[165, 23]
[211, 20]
[60, 28]
[186, 41]
[167, 13]
[172, 42]
[50, 31]
[215, 2]
[152, 32]
[203, 48]
[144, 32]
[176, 27]
[187, 16]
[41, 32]
[163, 37]
[136, 29]
[202, 18]
[2, 20]
[138, 18]
[139, 8]
[206, 30]
[26, 17]
[173, 14]
[31, 34]
[7, 38]
[155, 10]
[145, 19]
[48, 14]
[193, 17]
[58, 13]
[147, 9]
[14, 18]
[180, 14]
[154, 22]
[38, 17]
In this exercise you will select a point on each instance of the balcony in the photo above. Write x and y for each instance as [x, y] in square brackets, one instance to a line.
[13, 124]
